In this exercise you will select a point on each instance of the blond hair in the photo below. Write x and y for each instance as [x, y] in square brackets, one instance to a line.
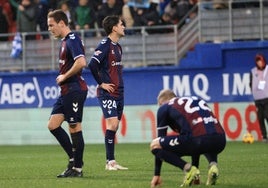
[164, 96]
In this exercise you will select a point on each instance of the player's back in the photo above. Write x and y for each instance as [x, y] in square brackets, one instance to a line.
[194, 117]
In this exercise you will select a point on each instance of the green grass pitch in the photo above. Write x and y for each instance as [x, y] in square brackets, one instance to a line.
[241, 166]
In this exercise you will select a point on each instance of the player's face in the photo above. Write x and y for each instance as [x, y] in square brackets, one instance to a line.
[54, 27]
[120, 29]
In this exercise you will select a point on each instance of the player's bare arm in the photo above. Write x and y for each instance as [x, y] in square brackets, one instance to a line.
[78, 65]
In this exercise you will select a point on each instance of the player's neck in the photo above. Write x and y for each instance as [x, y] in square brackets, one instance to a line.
[113, 38]
[65, 32]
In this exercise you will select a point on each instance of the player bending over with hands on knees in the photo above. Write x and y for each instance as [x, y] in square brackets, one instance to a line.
[199, 132]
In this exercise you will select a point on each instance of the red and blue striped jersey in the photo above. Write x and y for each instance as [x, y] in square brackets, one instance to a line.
[188, 116]
[106, 66]
[71, 48]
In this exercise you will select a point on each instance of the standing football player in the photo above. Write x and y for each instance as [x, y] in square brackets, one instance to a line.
[69, 106]
[106, 68]
[199, 132]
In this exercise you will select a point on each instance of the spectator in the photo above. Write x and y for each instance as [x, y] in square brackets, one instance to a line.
[151, 15]
[73, 3]
[53, 4]
[43, 8]
[206, 4]
[220, 4]
[95, 5]
[84, 17]
[165, 20]
[26, 17]
[146, 16]
[110, 7]
[177, 9]
[5, 18]
[127, 15]
[138, 13]
[162, 6]
[65, 7]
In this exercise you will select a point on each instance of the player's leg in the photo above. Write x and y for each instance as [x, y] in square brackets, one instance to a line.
[73, 110]
[54, 126]
[213, 171]
[112, 109]
[214, 145]
[195, 162]
[111, 128]
[170, 149]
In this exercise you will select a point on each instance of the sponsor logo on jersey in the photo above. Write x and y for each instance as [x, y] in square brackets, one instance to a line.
[206, 120]
[113, 63]
[97, 52]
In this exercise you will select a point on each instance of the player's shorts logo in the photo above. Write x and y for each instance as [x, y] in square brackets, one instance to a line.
[75, 107]
[174, 142]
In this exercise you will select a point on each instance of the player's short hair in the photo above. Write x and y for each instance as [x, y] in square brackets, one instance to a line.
[108, 23]
[58, 15]
[165, 95]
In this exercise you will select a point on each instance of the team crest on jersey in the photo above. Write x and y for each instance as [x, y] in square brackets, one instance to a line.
[97, 52]
[61, 61]
[72, 36]
[103, 41]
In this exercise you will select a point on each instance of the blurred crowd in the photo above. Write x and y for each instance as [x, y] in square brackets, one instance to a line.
[31, 15]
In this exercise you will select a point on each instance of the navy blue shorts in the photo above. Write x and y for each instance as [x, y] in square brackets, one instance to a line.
[111, 106]
[71, 106]
[184, 146]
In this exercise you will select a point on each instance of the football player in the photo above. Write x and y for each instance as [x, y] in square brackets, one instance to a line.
[69, 106]
[106, 67]
[199, 132]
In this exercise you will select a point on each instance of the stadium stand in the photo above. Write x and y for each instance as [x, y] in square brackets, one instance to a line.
[143, 48]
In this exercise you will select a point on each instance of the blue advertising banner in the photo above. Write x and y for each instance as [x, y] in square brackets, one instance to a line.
[141, 86]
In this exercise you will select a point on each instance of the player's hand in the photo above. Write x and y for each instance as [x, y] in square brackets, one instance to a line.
[108, 87]
[156, 181]
[60, 79]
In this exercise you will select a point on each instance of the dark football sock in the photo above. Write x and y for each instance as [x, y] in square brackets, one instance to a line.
[109, 144]
[78, 148]
[169, 157]
[64, 140]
